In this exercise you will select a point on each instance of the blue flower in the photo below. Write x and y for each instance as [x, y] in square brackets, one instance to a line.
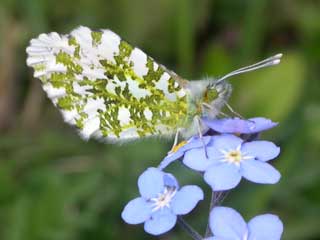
[225, 125]
[229, 159]
[160, 202]
[240, 126]
[179, 150]
[226, 223]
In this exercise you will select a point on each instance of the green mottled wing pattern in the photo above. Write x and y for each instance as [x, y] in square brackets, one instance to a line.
[105, 87]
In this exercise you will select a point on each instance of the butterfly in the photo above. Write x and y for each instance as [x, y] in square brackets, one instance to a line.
[113, 91]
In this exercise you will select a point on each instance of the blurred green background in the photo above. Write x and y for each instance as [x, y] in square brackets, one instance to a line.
[54, 186]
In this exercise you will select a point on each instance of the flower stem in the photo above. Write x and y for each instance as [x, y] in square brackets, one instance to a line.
[193, 233]
[208, 230]
[216, 199]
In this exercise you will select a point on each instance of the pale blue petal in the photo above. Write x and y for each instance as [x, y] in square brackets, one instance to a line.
[261, 124]
[194, 142]
[259, 172]
[151, 183]
[226, 142]
[265, 227]
[161, 222]
[170, 158]
[261, 150]
[196, 159]
[217, 238]
[170, 181]
[136, 211]
[186, 199]
[222, 176]
[237, 125]
[214, 154]
[230, 125]
[227, 223]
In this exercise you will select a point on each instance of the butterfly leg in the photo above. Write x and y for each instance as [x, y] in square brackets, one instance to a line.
[233, 111]
[211, 108]
[224, 114]
[198, 121]
[176, 139]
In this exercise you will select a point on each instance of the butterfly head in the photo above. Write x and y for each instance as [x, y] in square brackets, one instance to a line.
[218, 91]
[215, 96]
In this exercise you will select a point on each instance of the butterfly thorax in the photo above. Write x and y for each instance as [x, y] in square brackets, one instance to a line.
[204, 99]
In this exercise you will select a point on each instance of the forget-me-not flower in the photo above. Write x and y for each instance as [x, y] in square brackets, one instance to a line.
[240, 126]
[227, 224]
[160, 202]
[228, 158]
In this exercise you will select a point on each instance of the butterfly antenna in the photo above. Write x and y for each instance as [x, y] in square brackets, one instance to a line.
[274, 60]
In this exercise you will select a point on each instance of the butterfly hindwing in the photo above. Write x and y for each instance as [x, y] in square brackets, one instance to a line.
[106, 87]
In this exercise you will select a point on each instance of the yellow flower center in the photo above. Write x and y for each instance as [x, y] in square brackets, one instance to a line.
[234, 156]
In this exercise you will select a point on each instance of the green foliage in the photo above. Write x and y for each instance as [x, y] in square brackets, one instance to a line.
[55, 186]
[287, 84]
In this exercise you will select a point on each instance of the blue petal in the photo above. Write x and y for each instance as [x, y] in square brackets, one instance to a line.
[161, 221]
[229, 125]
[227, 223]
[170, 181]
[261, 124]
[226, 142]
[236, 125]
[215, 155]
[194, 142]
[170, 158]
[222, 176]
[196, 159]
[151, 183]
[136, 211]
[259, 172]
[265, 227]
[217, 238]
[261, 150]
[186, 199]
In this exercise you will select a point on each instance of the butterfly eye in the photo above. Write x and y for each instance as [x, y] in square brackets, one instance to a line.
[211, 94]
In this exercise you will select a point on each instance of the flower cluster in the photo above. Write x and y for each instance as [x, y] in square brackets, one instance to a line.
[160, 202]
[228, 152]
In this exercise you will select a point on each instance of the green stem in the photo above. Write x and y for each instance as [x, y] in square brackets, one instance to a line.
[194, 234]
[216, 199]
[208, 230]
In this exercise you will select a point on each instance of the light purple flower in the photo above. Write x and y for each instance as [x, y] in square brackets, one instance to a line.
[240, 126]
[227, 224]
[229, 159]
[160, 202]
[179, 150]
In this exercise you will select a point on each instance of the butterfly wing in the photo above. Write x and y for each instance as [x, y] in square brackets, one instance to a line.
[105, 87]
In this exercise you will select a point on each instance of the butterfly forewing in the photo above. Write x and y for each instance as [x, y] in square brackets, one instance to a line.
[106, 87]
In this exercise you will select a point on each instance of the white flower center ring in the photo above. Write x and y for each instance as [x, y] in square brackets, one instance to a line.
[163, 199]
